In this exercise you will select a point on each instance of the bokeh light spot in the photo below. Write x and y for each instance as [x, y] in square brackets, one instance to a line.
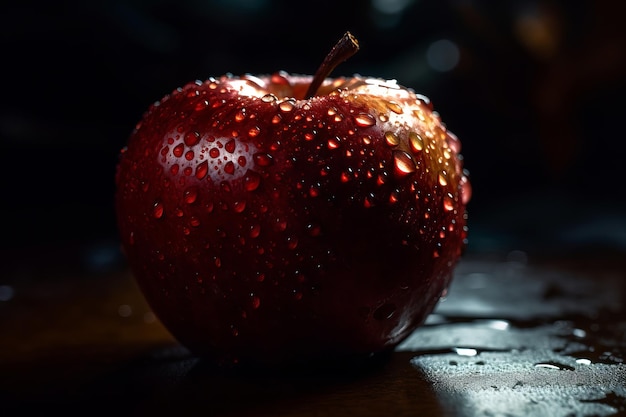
[443, 55]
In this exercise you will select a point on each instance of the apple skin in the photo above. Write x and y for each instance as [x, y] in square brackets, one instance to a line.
[264, 228]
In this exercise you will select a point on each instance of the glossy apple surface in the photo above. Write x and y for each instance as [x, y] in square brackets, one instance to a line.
[268, 228]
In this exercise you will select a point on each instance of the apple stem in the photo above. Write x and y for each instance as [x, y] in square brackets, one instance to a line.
[343, 49]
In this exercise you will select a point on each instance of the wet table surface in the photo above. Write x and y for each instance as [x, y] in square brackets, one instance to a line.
[515, 336]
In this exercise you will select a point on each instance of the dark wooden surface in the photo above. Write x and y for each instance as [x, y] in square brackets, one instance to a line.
[515, 337]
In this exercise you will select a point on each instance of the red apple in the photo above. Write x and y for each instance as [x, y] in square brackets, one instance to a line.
[289, 218]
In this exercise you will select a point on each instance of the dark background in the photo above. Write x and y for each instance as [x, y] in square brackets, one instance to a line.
[536, 97]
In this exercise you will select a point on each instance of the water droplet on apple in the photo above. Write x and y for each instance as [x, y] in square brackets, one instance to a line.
[364, 120]
[416, 142]
[191, 138]
[280, 78]
[269, 98]
[254, 132]
[190, 195]
[281, 225]
[384, 312]
[394, 107]
[229, 168]
[230, 146]
[444, 294]
[287, 105]
[403, 162]
[189, 155]
[201, 105]
[214, 153]
[174, 169]
[194, 221]
[158, 210]
[178, 150]
[255, 231]
[453, 142]
[239, 206]
[251, 180]
[392, 139]
[314, 191]
[442, 179]
[202, 169]
[313, 229]
[255, 302]
[262, 159]
[240, 115]
[292, 242]
[466, 190]
[333, 143]
[448, 202]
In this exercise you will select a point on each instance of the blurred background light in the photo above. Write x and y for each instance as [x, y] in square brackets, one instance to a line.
[391, 6]
[443, 55]
[6, 292]
[388, 13]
